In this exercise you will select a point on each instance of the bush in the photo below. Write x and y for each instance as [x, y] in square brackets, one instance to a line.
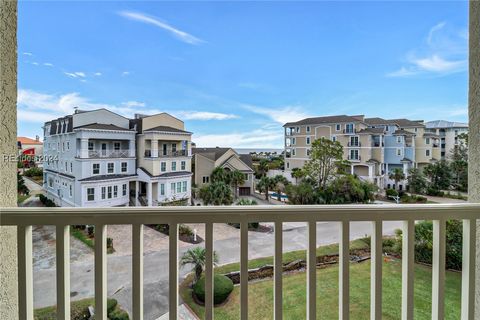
[184, 230]
[222, 287]
[34, 172]
[391, 193]
[246, 202]
[413, 199]
[434, 192]
[118, 314]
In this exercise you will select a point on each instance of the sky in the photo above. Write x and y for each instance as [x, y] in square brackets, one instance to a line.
[235, 72]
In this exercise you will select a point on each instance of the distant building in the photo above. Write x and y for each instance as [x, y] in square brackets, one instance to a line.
[373, 146]
[30, 151]
[207, 159]
[449, 133]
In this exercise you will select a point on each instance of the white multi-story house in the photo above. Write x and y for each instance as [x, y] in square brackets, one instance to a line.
[449, 133]
[89, 159]
[164, 157]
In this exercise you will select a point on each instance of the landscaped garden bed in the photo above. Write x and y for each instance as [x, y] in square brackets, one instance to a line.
[86, 234]
[185, 233]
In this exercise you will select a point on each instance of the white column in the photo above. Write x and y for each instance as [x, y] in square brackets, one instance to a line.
[154, 148]
[83, 148]
[131, 148]
[370, 171]
[149, 194]
[137, 186]
[351, 169]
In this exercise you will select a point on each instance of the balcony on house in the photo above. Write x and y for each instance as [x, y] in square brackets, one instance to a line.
[166, 149]
[25, 218]
[96, 148]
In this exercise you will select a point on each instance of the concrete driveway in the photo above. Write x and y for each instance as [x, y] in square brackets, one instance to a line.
[156, 263]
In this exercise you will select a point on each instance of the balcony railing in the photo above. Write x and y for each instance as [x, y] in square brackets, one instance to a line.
[62, 218]
[358, 158]
[124, 153]
[377, 144]
[354, 144]
[165, 154]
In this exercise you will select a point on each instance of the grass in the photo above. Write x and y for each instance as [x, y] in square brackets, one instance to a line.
[260, 298]
[78, 309]
[82, 236]
[21, 198]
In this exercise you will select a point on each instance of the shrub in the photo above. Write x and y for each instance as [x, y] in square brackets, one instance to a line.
[184, 230]
[391, 193]
[413, 199]
[118, 314]
[34, 172]
[222, 287]
[434, 192]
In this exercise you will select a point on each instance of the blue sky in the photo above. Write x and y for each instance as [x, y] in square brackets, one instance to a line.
[236, 71]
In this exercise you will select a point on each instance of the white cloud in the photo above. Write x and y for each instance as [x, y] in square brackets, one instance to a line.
[125, 73]
[444, 52]
[33, 116]
[83, 80]
[205, 115]
[133, 104]
[250, 139]
[48, 64]
[28, 53]
[179, 34]
[97, 74]
[35, 63]
[80, 74]
[70, 74]
[280, 115]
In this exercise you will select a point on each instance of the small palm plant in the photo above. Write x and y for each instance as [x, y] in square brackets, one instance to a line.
[196, 257]
[397, 175]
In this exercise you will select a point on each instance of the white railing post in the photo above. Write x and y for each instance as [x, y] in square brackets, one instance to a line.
[137, 271]
[101, 271]
[344, 271]
[244, 270]
[173, 271]
[408, 260]
[63, 271]
[438, 270]
[25, 273]
[208, 271]
[312, 271]
[468, 269]
[376, 271]
[278, 272]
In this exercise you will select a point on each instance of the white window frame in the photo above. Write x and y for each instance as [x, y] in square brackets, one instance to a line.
[93, 168]
[162, 189]
[427, 140]
[124, 189]
[174, 166]
[179, 187]
[183, 165]
[398, 152]
[172, 187]
[206, 179]
[307, 140]
[355, 152]
[124, 167]
[184, 186]
[108, 167]
[115, 191]
[104, 193]
[427, 152]
[338, 127]
[109, 192]
[308, 129]
[163, 166]
[334, 138]
[115, 146]
[90, 194]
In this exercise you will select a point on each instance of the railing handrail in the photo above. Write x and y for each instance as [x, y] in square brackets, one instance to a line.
[219, 214]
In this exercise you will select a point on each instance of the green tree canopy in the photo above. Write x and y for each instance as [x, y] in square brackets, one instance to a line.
[397, 175]
[197, 257]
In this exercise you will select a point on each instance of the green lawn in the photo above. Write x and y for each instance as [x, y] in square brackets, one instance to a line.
[294, 297]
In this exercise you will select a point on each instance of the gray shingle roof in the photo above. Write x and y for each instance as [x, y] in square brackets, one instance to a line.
[210, 153]
[372, 130]
[400, 122]
[327, 119]
[102, 126]
[403, 132]
[167, 129]
[107, 177]
[247, 159]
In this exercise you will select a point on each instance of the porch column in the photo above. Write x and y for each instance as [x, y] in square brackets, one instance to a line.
[351, 170]
[149, 194]
[474, 130]
[8, 146]
[137, 189]
[131, 148]
[83, 148]
[405, 169]
[154, 146]
[370, 171]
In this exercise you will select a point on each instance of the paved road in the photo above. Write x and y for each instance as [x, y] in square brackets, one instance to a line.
[156, 265]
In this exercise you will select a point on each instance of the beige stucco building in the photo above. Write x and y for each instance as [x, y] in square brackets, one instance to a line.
[207, 159]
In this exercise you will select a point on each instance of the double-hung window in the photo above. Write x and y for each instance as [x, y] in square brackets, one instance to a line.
[183, 165]
[109, 192]
[206, 179]
[179, 187]
[174, 165]
[90, 194]
[96, 168]
[124, 167]
[115, 191]
[104, 192]
[110, 167]
[184, 186]
[124, 189]
[163, 166]
[162, 189]
[172, 187]
[308, 140]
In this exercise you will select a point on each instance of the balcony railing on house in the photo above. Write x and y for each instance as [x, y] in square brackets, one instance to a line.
[354, 144]
[124, 153]
[354, 158]
[62, 218]
[165, 154]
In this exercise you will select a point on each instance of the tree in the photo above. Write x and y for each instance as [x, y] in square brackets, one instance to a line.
[216, 193]
[263, 167]
[196, 257]
[416, 181]
[280, 182]
[459, 165]
[324, 158]
[219, 174]
[21, 187]
[397, 175]
[303, 193]
[298, 173]
[439, 175]
[236, 178]
[265, 185]
[348, 189]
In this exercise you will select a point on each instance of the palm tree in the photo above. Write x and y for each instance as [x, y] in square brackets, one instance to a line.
[297, 173]
[265, 185]
[280, 183]
[196, 257]
[263, 167]
[236, 178]
[220, 174]
[397, 175]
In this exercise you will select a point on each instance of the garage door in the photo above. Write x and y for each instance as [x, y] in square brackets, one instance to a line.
[244, 191]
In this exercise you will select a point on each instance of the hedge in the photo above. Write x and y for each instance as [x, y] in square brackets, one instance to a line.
[222, 287]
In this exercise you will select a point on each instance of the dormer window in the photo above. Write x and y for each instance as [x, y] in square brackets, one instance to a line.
[308, 128]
